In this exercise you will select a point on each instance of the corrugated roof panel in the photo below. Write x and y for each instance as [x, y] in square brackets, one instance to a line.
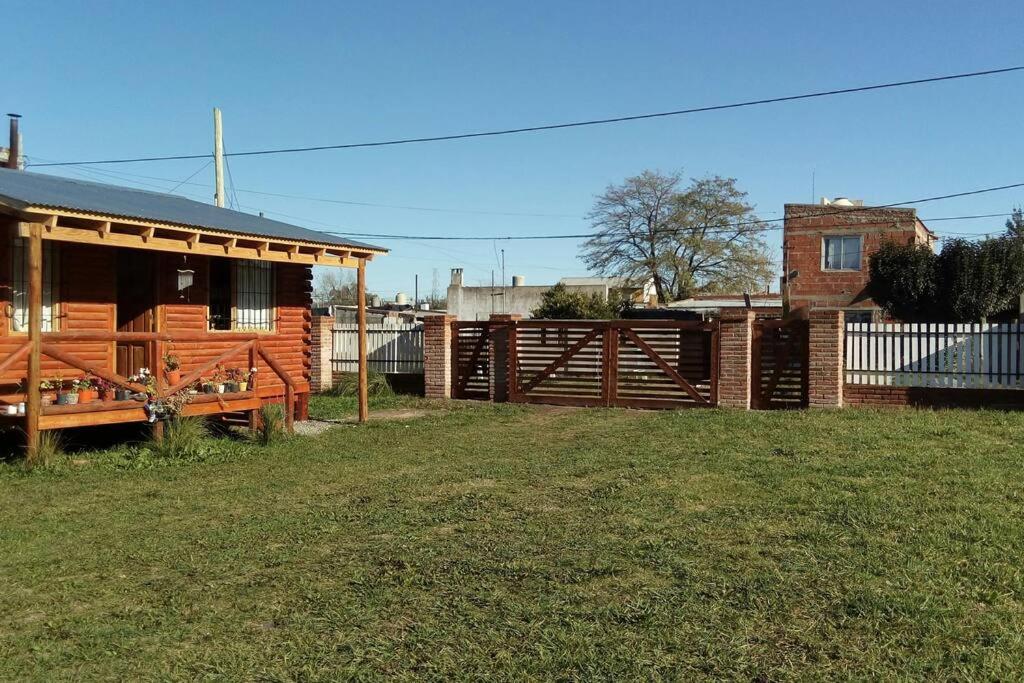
[21, 189]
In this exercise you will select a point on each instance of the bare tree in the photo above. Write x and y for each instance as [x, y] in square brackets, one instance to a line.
[334, 286]
[701, 238]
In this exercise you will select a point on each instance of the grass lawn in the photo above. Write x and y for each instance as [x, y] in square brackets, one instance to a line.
[517, 542]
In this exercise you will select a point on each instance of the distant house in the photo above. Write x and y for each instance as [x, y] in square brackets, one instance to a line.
[825, 250]
[478, 303]
[764, 305]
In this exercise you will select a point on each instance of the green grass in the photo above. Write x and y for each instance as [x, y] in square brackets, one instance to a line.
[515, 543]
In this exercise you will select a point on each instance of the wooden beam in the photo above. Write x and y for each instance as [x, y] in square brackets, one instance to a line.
[103, 229]
[18, 354]
[39, 214]
[198, 372]
[34, 404]
[364, 403]
[57, 353]
[192, 240]
[292, 251]
[180, 246]
[148, 234]
[230, 245]
[289, 388]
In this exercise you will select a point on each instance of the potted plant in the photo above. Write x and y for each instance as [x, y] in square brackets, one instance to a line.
[231, 381]
[86, 391]
[218, 380]
[66, 395]
[122, 394]
[172, 366]
[244, 376]
[47, 392]
[105, 389]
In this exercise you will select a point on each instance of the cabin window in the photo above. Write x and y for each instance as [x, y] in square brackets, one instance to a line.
[241, 295]
[19, 285]
[254, 295]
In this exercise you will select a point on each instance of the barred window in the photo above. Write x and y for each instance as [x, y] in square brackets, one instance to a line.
[254, 295]
[19, 285]
[241, 295]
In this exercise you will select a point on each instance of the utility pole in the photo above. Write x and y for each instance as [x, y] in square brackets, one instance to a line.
[503, 281]
[218, 156]
[416, 294]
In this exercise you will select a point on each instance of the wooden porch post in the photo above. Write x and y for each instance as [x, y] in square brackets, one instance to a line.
[364, 402]
[33, 406]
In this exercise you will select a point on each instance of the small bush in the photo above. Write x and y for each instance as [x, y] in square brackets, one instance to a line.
[377, 385]
[50, 451]
[184, 438]
[271, 424]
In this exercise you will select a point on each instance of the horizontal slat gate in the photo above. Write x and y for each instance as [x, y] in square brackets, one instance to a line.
[637, 364]
[471, 360]
[780, 364]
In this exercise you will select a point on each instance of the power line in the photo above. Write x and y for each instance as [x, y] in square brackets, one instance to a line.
[556, 126]
[713, 228]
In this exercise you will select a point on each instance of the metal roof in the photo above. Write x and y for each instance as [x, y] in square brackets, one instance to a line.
[22, 189]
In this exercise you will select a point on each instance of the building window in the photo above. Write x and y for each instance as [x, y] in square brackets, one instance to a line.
[841, 253]
[254, 295]
[241, 295]
[19, 286]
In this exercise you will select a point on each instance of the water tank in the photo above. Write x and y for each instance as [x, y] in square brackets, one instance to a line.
[401, 299]
[425, 306]
[518, 280]
[375, 301]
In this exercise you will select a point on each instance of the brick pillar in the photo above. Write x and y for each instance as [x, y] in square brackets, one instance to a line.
[322, 344]
[734, 358]
[498, 351]
[825, 359]
[437, 356]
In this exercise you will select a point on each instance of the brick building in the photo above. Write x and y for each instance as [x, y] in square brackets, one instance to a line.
[826, 248]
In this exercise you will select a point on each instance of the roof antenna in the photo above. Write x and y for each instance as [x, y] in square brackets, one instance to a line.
[14, 153]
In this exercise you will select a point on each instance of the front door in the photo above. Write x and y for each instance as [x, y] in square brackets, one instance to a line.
[135, 299]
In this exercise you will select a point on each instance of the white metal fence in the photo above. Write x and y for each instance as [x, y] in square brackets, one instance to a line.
[391, 348]
[969, 356]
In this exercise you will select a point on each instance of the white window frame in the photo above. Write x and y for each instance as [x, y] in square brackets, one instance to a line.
[18, 323]
[842, 256]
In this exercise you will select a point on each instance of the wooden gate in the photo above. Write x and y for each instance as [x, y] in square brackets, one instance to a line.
[626, 363]
[471, 360]
[779, 364]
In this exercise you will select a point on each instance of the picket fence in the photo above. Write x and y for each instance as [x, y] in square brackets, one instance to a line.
[967, 356]
[391, 348]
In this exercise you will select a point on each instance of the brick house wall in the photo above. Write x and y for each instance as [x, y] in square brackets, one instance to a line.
[805, 229]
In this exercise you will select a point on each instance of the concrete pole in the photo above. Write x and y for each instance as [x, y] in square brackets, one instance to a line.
[218, 156]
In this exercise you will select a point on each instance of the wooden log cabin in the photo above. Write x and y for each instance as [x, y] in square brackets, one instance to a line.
[104, 281]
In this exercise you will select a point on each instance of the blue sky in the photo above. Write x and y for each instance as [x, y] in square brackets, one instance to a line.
[108, 80]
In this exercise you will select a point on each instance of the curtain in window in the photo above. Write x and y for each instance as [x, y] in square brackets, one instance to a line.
[254, 300]
[19, 285]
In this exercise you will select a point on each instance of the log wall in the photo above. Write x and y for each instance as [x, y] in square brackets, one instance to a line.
[89, 301]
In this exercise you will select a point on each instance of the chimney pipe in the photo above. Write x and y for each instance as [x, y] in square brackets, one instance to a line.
[15, 144]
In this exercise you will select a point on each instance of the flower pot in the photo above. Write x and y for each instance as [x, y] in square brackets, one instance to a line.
[231, 387]
[209, 389]
[243, 386]
[107, 395]
[173, 378]
[86, 395]
[220, 389]
[67, 399]
[48, 398]
[122, 394]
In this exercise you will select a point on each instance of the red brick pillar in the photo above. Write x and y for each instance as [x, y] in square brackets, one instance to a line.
[498, 350]
[321, 376]
[825, 359]
[437, 356]
[734, 358]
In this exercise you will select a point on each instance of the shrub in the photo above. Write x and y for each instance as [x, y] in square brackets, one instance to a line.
[50, 450]
[184, 438]
[558, 303]
[377, 385]
[271, 424]
[904, 280]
